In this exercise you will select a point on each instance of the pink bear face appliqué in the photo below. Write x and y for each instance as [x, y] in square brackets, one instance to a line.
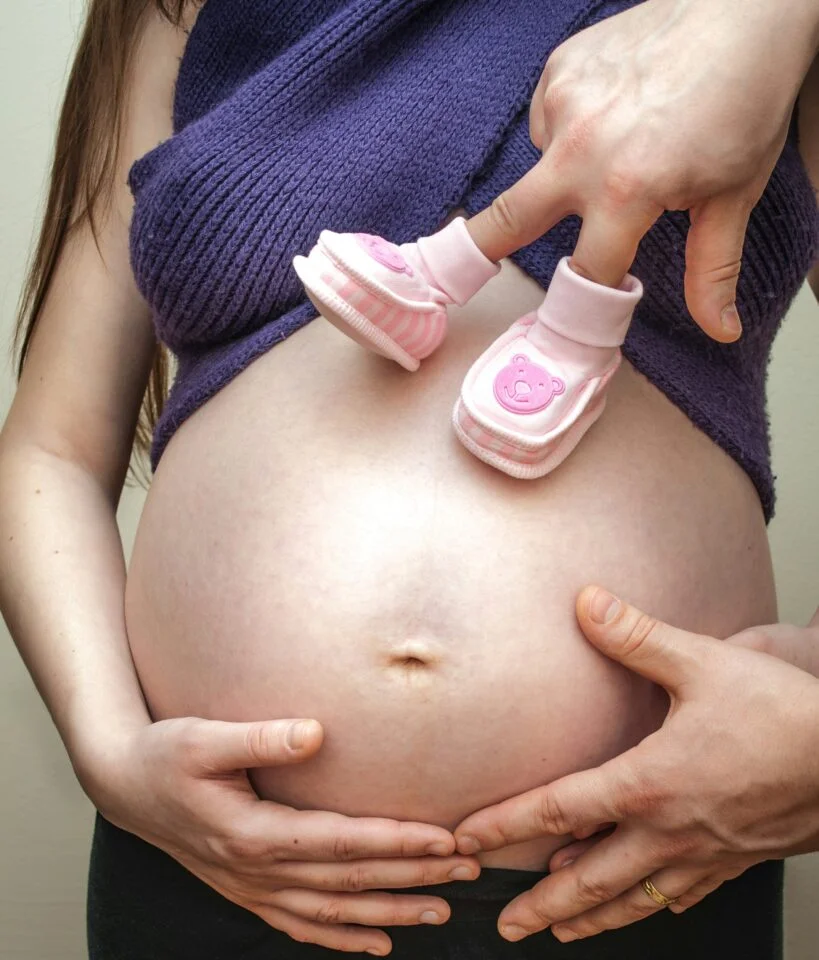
[385, 253]
[524, 387]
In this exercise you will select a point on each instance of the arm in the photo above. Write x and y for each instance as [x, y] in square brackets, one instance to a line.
[64, 452]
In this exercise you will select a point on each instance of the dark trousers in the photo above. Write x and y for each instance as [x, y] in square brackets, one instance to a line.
[142, 905]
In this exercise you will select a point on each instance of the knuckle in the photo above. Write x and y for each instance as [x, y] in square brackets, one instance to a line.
[640, 630]
[593, 890]
[623, 186]
[355, 879]
[503, 216]
[394, 915]
[407, 842]
[550, 816]
[329, 911]
[726, 269]
[567, 932]
[213, 849]
[258, 742]
[431, 873]
[555, 98]
[242, 847]
[190, 740]
[539, 913]
[342, 847]
[589, 927]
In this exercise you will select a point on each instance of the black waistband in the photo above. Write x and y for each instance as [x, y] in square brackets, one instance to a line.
[144, 906]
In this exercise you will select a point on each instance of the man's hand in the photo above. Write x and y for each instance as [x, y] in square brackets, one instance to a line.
[729, 780]
[670, 105]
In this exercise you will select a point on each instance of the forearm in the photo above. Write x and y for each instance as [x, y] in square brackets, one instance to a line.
[62, 578]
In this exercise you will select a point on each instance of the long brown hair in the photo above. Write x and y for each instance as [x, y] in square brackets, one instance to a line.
[85, 158]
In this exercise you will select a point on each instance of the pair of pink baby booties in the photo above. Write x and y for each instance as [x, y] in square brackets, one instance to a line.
[527, 400]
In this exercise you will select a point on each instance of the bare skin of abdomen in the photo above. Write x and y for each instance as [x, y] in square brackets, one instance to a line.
[316, 543]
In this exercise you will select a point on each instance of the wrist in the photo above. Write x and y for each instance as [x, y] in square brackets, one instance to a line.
[786, 31]
[795, 20]
[99, 749]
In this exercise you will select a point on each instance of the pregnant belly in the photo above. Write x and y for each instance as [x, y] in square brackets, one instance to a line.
[317, 544]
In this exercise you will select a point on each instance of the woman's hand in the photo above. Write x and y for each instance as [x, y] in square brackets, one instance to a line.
[670, 105]
[182, 786]
[729, 780]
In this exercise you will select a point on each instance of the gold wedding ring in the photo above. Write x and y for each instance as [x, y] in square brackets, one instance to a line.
[655, 894]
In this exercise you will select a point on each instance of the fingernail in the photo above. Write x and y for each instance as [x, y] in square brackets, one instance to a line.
[430, 916]
[603, 607]
[565, 863]
[462, 873]
[298, 733]
[565, 936]
[512, 932]
[468, 845]
[375, 952]
[439, 849]
[730, 320]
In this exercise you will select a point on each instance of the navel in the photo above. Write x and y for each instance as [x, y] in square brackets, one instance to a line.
[414, 658]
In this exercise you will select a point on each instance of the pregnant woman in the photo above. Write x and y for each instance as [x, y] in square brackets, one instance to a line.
[315, 543]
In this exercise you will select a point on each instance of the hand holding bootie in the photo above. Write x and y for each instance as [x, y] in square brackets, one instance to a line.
[393, 299]
[529, 399]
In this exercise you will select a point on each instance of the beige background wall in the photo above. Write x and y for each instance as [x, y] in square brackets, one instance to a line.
[44, 818]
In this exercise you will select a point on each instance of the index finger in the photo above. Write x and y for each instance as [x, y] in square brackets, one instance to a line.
[323, 836]
[600, 795]
[611, 867]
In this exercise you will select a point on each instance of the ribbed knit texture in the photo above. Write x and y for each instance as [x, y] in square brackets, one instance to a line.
[381, 116]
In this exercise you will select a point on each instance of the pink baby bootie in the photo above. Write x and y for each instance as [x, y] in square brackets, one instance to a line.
[394, 299]
[527, 401]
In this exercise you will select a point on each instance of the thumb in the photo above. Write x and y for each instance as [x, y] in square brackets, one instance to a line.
[265, 743]
[661, 653]
[713, 258]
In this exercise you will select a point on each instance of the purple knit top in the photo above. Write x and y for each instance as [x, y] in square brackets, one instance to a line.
[382, 116]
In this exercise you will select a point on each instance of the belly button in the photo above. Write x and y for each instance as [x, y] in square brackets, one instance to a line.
[413, 658]
[410, 662]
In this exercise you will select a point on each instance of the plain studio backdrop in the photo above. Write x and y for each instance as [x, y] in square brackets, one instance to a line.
[45, 820]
